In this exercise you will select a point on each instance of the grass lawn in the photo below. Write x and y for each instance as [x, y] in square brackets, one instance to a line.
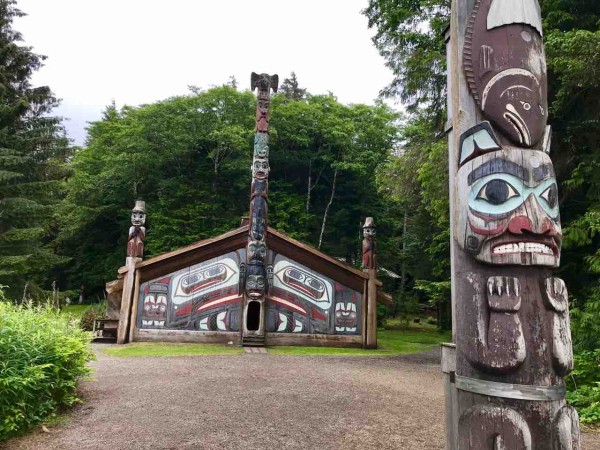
[393, 340]
[75, 311]
[171, 349]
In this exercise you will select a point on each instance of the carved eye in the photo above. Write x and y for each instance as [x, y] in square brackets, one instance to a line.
[526, 106]
[551, 196]
[497, 192]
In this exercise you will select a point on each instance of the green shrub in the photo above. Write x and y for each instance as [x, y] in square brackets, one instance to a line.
[584, 386]
[43, 354]
[431, 321]
[97, 311]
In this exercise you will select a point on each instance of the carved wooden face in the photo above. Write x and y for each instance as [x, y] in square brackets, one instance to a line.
[505, 68]
[138, 218]
[255, 281]
[261, 145]
[508, 203]
[513, 101]
[260, 168]
[257, 251]
[369, 231]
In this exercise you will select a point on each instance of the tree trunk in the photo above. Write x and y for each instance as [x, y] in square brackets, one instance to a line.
[309, 185]
[327, 208]
[403, 269]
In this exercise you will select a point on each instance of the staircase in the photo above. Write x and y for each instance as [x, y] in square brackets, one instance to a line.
[253, 341]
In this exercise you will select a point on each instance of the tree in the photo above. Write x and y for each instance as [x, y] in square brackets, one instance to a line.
[291, 89]
[189, 158]
[409, 35]
[33, 152]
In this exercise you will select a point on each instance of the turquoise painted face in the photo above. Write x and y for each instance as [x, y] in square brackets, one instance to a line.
[508, 208]
[500, 194]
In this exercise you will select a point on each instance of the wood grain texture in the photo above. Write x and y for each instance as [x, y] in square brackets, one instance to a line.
[502, 335]
[126, 299]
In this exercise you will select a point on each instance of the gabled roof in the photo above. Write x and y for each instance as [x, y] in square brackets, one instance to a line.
[236, 239]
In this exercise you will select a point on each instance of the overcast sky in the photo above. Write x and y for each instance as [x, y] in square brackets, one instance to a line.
[140, 51]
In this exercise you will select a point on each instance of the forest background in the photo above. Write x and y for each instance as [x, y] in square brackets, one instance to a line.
[64, 210]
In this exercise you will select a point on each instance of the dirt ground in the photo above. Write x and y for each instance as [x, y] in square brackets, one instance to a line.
[257, 401]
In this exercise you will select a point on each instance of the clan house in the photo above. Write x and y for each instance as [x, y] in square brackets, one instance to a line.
[251, 286]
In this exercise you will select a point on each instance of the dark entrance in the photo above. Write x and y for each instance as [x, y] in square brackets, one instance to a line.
[253, 316]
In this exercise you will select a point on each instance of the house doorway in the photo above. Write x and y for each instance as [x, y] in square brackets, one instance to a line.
[253, 316]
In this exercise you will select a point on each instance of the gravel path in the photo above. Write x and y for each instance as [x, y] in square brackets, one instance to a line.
[258, 401]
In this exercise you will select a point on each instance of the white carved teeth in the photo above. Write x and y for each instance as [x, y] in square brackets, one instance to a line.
[523, 247]
[150, 323]
[340, 328]
[351, 329]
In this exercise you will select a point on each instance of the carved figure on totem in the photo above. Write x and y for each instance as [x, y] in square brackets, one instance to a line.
[137, 231]
[369, 245]
[257, 251]
[505, 67]
[260, 168]
[263, 83]
[261, 145]
[259, 188]
[508, 209]
[256, 281]
[258, 218]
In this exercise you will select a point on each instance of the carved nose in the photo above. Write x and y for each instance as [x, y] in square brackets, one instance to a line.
[519, 224]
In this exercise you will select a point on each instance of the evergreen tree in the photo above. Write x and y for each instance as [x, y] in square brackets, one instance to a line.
[33, 149]
[291, 89]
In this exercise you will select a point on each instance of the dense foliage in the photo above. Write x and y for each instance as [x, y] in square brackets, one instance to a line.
[42, 356]
[91, 314]
[584, 386]
[189, 158]
[33, 150]
[409, 36]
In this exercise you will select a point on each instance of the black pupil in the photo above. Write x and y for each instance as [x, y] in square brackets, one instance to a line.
[553, 196]
[496, 192]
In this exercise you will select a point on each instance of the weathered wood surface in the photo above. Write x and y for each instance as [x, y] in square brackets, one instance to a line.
[371, 309]
[114, 293]
[313, 340]
[134, 306]
[126, 299]
[510, 314]
[188, 336]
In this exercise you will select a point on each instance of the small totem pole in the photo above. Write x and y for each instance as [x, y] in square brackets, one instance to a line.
[256, 272]
[369, 245]
[135, 252]
[511, 319]
[137, 231]
[370, 265]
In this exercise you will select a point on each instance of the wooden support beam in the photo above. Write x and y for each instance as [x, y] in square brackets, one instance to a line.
[128, 288]
[372, 309]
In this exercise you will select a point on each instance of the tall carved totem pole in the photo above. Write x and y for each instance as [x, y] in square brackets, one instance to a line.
[511, 318]
[257, 272]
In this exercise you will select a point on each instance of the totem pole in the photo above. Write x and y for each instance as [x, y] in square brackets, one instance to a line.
[135, 252]
[369, 245]
[257, 273]
[137, 231]
[511, 318]
[370, 265]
